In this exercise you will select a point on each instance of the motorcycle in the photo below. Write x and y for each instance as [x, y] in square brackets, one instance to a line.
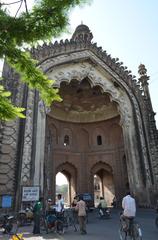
[6, 223]
[104, 213]
[25, 217]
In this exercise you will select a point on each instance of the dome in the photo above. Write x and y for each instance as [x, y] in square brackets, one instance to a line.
[82, 34]
[82, 27]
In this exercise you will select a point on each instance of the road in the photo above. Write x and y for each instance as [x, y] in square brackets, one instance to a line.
[98, 229]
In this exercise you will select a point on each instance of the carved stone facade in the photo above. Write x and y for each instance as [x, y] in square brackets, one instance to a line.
[104, 127]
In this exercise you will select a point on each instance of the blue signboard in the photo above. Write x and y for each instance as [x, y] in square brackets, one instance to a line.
[6, 201]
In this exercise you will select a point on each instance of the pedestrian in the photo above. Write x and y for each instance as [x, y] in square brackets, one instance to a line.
[60, 213]
[81, 209]
[59, 205]
[37, 210]
[74, 203]
[75, 214]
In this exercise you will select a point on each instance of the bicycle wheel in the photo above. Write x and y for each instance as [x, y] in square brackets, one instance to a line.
[122, 234]
[136, 232]
[46, 225]
[43, 224]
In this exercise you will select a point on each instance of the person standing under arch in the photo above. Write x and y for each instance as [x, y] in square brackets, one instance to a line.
[81, 208]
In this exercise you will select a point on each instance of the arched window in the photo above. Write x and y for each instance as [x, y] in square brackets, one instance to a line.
[99, 140]
[66, 140]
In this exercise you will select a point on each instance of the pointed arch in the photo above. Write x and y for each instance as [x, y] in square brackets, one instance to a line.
[70, 172]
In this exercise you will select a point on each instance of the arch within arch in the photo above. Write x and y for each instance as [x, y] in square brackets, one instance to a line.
[104, 172]
[70, 172]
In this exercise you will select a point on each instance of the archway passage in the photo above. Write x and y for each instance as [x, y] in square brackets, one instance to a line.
[69, 187]
[62, 187]
[103, 183]
[84, 131]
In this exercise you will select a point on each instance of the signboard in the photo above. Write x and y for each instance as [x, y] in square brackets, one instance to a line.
[6, 201]
[30, 194]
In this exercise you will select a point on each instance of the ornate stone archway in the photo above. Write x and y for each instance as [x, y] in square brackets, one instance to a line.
[70, 173]
[125, 108]
[107, 187]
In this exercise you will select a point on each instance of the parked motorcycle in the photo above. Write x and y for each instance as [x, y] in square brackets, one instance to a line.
[25, 217]
[6, 223]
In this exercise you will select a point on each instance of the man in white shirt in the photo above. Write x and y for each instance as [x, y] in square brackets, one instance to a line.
[60, 204]
[59, 214]
[129, 210]
[129, 206]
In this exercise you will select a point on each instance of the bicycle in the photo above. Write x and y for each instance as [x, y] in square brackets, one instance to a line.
[70, 219]
[129, 229]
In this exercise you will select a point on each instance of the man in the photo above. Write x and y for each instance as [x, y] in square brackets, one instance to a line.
[37, 209]
[129, 210]
[60, 213]
[81, 208]
[102, 206]
[129, 206]
[49, 205]
[59, 204]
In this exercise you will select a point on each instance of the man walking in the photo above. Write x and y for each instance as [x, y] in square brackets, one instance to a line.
[81, 208]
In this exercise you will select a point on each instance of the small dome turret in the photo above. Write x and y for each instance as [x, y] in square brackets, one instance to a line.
[82, 34]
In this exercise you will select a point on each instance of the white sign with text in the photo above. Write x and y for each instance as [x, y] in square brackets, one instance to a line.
[30, 194]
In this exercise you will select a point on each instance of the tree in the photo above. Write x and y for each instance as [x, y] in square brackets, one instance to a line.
[45, 20]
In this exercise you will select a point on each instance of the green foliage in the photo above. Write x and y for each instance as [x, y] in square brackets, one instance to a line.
[62, 188]
[47, 19]
[7, 110]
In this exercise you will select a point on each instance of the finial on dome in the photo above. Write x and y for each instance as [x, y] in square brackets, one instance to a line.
[82, 34]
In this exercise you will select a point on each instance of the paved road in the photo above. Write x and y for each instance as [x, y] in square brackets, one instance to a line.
[100, 229]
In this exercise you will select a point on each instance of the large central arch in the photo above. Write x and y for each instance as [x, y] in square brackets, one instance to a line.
[84, 129]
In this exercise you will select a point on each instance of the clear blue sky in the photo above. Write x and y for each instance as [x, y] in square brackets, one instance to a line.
[126, 29]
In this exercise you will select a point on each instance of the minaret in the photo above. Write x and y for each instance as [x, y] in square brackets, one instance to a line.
[144, 84]
[149, 121]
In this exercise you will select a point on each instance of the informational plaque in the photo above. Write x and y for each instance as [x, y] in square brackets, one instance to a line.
[30, 194]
